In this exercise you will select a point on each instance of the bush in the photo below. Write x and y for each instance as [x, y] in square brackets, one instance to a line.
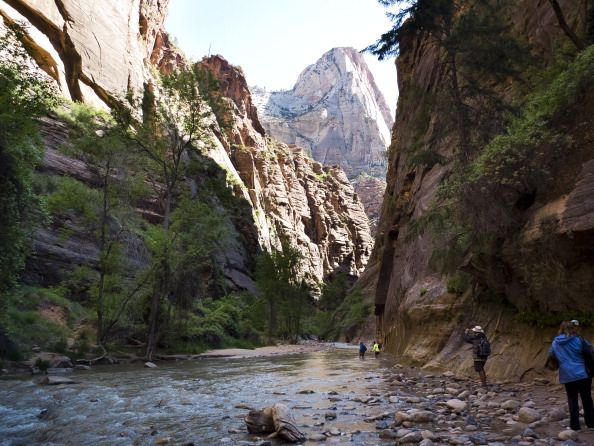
[458, 283]
[23, 324]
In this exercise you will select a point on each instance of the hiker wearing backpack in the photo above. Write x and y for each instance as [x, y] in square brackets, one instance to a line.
[573, 354]
[481, 349]
[362, 350]
[376, 349]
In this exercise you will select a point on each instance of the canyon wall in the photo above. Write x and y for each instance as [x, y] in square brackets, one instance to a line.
[420, 312]
[103, 53]
[337, 113]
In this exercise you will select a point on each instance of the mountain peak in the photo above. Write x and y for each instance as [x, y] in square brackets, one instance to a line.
[335, 111]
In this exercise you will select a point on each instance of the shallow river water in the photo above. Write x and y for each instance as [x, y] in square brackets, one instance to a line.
[194, 401]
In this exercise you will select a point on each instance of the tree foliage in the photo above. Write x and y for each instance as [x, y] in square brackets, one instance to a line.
[283, 289]
[111, 219]
[25, 95]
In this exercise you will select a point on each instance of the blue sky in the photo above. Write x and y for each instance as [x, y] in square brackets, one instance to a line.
[274, 40]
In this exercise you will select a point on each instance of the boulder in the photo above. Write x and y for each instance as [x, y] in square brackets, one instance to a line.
[567, 435]
[528, 415]
[456, 405]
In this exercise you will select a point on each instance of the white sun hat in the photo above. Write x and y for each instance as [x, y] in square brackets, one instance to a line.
[478, 329]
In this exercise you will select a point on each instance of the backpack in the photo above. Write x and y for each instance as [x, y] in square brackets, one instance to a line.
[483, 348]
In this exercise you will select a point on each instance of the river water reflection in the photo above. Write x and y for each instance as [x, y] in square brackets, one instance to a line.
[194, 401]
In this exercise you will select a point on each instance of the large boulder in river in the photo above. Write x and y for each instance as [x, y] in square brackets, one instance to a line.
[276, 419]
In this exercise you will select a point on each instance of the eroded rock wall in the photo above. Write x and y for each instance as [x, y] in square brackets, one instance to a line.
[96, 51]
[335, 111]
[421, 320]
[294, 197]
[102, 52]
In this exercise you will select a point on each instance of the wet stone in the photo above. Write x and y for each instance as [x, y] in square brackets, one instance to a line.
[380, 425]
[528, 415]
[388, 434]
[567, 435]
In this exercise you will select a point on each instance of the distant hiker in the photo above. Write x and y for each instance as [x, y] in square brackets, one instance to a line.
[481, 349]
[375, 349]
[362, 350]
[573, 354]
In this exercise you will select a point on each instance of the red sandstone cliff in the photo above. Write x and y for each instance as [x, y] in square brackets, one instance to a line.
[421, 319]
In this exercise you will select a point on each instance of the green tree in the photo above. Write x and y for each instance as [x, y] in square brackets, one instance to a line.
[173, 126]
[97, 140]
[477, 55]
[209, 87]
[25, 95]
[284, 290]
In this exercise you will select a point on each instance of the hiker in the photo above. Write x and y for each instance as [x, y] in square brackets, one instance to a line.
[570, 349]
[362, 350]
[375, 349]
[481, 349]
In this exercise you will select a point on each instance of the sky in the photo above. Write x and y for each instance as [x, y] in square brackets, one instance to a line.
[274, 40]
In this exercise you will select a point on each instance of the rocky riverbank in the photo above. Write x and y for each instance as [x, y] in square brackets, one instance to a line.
[443, 409]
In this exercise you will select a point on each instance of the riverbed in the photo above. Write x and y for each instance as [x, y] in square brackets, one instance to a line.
[200, 401]
[335, 397]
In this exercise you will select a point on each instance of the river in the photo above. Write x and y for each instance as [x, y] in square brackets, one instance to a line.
[196, 401]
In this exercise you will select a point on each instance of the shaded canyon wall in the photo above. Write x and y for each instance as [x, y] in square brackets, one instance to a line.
[421, 320]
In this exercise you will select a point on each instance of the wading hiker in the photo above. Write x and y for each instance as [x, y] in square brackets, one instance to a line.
[375, 349]
[574, 354]
[481, 349]
[362, 350]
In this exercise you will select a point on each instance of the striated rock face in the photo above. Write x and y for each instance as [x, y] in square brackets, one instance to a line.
[335, 111]
[96, 51]
[422, 320]
[371, 193]
[294, 197]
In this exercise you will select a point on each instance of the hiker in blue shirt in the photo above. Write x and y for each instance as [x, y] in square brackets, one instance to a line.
[569, 349]
[362, 350]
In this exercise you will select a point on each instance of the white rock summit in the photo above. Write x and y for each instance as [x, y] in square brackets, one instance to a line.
[335, 111]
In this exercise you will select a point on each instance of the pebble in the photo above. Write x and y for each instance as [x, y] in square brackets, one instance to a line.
[528, 415]
[456, 405]
[567, 435]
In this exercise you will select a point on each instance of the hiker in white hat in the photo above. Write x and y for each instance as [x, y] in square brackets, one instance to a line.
[481, 349]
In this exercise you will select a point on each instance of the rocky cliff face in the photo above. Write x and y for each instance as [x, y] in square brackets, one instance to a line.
[100, 52]
[95, 51]
[336, 112]
[294, 197]
[423, 318]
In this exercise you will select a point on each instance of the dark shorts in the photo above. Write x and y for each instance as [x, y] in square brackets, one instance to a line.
[479, 365]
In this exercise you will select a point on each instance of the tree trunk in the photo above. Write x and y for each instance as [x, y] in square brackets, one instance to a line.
[151, 343]
[565, 27]
[103, 254]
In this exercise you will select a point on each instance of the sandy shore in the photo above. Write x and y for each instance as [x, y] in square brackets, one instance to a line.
[271, 350]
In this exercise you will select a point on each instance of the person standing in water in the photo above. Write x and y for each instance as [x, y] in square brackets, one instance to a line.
[375, 349]
[362, 350]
